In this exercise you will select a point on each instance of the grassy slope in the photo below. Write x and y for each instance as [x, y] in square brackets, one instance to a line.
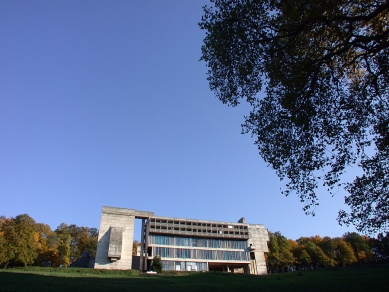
[364, 278]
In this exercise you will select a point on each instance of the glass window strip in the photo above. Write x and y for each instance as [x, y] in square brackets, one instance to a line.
[197, 242]
[167, 252]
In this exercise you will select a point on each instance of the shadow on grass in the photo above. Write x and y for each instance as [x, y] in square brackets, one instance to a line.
[371, 278]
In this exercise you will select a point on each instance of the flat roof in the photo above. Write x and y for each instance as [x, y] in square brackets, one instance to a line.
[147, 214]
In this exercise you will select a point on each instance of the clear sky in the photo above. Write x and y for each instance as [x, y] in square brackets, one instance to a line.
[105, 103]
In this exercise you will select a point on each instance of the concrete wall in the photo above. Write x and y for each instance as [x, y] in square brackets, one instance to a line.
[113, 255]
[258, 239]
[119, 218]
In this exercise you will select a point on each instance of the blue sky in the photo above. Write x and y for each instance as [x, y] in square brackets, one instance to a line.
[105, 103]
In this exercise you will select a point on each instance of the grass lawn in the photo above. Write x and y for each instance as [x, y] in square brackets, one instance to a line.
[361, 278]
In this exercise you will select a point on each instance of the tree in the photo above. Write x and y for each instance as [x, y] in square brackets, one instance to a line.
[135, 245]
[316, 254]
[6, 250]
[64, 242]
[380, 247]
[156, 265]
[47, 246]
[358, 244]
[303, 259]
[323, 69]
[64, 250]
[86, 241]
[280, 257]
[23, 241]
[93, 239]
[19, 240]
[343, 252]
[80, 240]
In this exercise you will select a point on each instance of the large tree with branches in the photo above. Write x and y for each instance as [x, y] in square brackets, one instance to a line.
[316, 74]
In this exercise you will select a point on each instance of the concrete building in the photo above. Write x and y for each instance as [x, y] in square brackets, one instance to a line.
[183, 244]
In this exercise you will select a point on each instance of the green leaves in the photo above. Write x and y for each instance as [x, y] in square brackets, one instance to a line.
[18, 240]
[156, 265]
[23, 241]
[74, 240]
[316, 76]
[280, 256]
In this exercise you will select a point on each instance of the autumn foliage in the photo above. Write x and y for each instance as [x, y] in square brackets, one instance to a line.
[314, 252]
[25, 242]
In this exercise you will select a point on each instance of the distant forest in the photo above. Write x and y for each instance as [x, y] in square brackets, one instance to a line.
[316, 252]
[25, 242]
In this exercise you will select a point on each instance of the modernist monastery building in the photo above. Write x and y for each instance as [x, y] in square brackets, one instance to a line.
[182, 244]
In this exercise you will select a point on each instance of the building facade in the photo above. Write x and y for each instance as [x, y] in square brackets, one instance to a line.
[182, 244]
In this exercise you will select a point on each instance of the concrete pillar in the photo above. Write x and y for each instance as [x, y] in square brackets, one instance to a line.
[258, 238]
[115, 217]
[142, 247]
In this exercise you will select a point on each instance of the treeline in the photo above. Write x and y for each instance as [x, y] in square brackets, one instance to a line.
[315, 252]
[25, 242]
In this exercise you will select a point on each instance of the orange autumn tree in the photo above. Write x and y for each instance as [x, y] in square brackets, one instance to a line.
[47, 246]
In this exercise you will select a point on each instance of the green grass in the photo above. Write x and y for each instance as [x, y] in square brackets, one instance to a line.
[362, 278]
